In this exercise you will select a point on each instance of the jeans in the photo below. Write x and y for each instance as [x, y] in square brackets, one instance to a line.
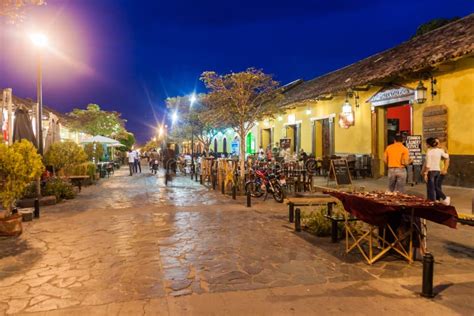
[433, 186]
[397, 177]
[439, 185]
[131, 167]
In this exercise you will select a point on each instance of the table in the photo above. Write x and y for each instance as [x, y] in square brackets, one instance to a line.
[378, 210]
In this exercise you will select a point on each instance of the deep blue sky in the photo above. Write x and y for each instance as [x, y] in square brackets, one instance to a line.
[130, 55]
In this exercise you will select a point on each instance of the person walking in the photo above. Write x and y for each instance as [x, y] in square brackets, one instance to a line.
[432, 171]
[396, 157]
[131, 161]
[138, 165]
[444, 166]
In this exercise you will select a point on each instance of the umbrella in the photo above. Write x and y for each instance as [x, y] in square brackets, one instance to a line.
[100, 139]
[22, 127]
[116, 145]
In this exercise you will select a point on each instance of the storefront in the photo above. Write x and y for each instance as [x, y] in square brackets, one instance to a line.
[423, 87]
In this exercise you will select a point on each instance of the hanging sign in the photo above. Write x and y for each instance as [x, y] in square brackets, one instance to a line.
[413, 143]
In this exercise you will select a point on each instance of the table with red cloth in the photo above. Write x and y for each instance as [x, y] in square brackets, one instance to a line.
[379, 210]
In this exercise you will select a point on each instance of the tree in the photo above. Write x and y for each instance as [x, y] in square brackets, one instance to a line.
[95, 121]
[240, 100]
[194, 120]
[20, 164]
[64, 156]
[13, 9]
[94, 151]
[151, 145]
[125, 138]
[432, 25]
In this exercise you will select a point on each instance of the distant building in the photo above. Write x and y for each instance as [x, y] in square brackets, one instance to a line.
[55, 124]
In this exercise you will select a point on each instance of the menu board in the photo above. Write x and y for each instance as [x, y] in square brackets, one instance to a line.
[285, 143]
[340, 171]
[413, 143]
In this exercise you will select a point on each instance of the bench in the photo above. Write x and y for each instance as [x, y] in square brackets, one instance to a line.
[317, 200]
[76, 180]
[309, 200]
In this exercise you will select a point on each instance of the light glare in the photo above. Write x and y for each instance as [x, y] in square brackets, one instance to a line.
[39, 39]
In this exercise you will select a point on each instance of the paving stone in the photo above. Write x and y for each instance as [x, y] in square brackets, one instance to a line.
[16, 305]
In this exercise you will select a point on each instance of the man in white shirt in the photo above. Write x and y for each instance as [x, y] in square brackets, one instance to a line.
[131, 161]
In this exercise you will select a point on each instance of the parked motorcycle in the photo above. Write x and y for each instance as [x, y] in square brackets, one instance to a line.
[265, 183]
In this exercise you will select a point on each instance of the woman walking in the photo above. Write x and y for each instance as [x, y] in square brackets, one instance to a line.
[432, 171]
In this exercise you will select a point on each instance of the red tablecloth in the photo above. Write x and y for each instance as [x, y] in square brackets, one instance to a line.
[377, 208]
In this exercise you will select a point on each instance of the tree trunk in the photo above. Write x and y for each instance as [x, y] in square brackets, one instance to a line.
[242, 159]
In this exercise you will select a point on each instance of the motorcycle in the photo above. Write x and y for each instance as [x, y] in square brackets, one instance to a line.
[265, 183]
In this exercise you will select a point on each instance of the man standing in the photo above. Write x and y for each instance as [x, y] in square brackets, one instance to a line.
[396, 157]
[131, 161]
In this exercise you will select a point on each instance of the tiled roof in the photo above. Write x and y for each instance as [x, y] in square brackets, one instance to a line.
[423, 52]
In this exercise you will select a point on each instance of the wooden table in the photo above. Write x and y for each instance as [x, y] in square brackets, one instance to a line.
[378, 210]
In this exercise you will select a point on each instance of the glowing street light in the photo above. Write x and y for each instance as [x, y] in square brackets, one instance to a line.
[161, 131]
[174, 117]
[192, 99]
[40, 41]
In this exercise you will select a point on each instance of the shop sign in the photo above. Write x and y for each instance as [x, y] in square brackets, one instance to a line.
[413, 143]
[392, 95]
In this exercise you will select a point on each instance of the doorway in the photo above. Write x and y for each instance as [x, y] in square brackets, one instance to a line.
[266, 138]
[398, 122]
[388, 121]
[323, 137]
[293, 132]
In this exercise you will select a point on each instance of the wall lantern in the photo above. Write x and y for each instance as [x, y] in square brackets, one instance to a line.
[308, 111]
[346, 117]
[280, 118]
[291, 119]
[266, 123]
[420, 93]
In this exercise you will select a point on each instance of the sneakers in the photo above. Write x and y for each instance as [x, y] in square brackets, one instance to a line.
[446, 201]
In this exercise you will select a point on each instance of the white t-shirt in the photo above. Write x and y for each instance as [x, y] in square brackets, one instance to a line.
[131, 157]
[433, 158]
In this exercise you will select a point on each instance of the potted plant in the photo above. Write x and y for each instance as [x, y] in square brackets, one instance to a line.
[63, 156]
[20, 164]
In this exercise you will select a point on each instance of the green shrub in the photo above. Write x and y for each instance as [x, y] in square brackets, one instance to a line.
[94, 151]
[317, 224]
[62, 156]
[84, 169]
[20, 164]
[59, 188]
[30, 191]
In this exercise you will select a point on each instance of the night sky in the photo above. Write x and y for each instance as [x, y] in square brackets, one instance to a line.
[130, 55]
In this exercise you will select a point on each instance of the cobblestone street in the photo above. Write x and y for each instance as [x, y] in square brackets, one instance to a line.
[130, 245]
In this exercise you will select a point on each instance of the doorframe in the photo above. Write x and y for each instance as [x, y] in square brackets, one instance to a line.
[332, 132]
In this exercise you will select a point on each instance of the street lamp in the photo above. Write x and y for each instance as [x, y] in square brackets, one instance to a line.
[40, 41]
[192, 99]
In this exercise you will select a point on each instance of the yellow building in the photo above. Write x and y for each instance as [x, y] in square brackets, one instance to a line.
[383, 95]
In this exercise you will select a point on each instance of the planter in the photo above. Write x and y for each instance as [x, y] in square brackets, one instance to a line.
[11, 226]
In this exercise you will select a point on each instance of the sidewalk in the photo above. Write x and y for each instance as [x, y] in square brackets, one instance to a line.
[461, 198]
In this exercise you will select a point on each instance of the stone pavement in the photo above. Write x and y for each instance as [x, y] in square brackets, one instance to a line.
[129, 245]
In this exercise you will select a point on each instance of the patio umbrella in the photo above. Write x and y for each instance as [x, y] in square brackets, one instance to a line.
[100, 139]
[22, 128]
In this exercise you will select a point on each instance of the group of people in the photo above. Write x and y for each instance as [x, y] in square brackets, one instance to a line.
[134, 164]
[434, 170]
[279, 153]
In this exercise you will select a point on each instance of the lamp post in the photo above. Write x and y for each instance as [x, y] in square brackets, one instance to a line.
[40, 41]
[192, 99]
